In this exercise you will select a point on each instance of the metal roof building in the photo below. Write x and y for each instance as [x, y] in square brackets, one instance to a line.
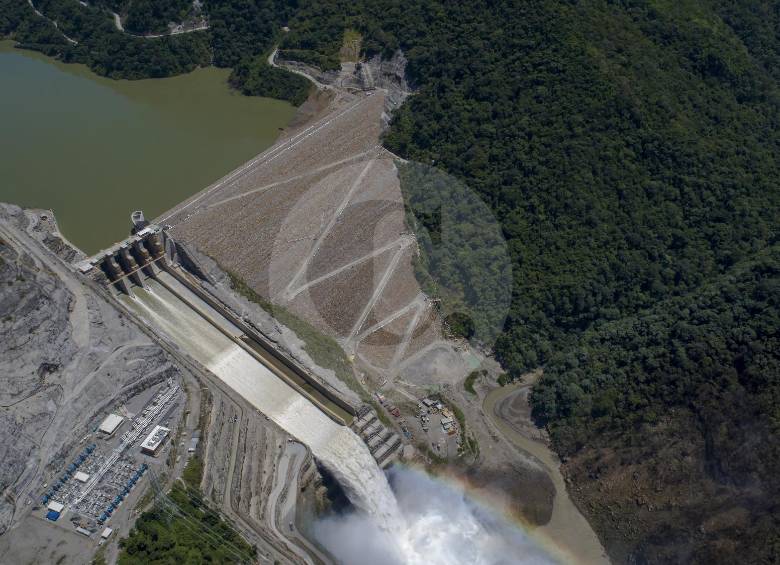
[111, 424]
[151, 445]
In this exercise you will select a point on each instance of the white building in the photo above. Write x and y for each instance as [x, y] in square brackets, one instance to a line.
[81, 477]
[111, 424]
[154, 441]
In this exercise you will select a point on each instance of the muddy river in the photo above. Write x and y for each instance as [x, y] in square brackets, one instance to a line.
[94, 149]
[567, 529]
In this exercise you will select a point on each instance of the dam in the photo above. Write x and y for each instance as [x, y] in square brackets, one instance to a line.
[155, 280]
[144, 274]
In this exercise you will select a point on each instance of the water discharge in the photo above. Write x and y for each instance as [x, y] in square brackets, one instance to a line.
[428, 524]
[336, 446]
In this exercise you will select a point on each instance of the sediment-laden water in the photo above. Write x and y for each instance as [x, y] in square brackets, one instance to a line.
[95, 149]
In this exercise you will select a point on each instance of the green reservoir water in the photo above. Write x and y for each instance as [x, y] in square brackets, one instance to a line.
[94, 149]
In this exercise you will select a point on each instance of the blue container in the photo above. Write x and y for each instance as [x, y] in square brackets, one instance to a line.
[53, 516]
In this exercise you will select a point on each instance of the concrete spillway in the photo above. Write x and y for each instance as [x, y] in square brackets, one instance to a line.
[336, 446]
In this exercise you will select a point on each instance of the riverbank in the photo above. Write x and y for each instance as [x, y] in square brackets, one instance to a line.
[507, 409]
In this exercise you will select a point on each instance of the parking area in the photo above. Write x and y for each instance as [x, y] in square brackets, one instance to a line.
[428, 421]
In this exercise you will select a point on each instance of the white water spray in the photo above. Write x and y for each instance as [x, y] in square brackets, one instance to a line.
[442, 527]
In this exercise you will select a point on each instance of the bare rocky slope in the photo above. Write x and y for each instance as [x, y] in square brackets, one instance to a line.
[65, 356]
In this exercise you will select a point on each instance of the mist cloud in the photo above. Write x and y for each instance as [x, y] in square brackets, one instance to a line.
[443, 527]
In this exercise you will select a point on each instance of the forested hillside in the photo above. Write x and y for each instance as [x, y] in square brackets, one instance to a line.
[630, 150]
[240, 35]
[677, 409]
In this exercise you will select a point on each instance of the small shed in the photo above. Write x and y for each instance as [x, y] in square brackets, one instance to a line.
[106, 533]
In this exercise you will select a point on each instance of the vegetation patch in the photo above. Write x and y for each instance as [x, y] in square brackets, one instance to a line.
[472, 377]
[152, 16]
[193, 472]
[255, 77]
[468, 443]
[183, 529]
[350, 48]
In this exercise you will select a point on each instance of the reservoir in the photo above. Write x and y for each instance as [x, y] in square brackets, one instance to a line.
[95, 149]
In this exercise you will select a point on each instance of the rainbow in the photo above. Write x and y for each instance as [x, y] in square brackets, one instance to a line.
[497, 509]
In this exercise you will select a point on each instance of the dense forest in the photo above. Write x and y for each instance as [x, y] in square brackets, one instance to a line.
[629, 150]
[686, 393]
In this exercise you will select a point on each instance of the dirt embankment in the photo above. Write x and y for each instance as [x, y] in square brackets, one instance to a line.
[249, 477]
